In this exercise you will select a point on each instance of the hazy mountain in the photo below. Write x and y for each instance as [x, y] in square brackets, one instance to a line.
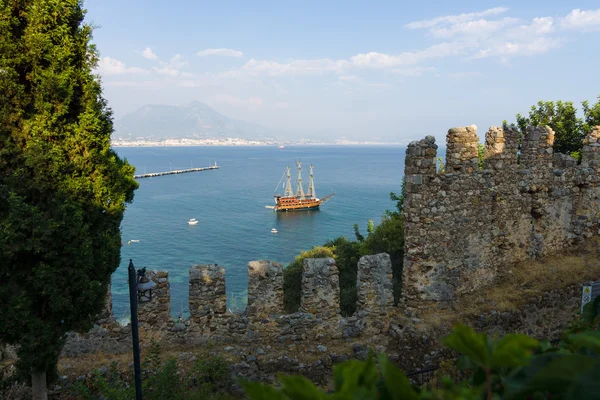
[195, 120]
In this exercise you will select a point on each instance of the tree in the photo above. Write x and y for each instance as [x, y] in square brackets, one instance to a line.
[63, 190]
[569, 129]
[591, 115]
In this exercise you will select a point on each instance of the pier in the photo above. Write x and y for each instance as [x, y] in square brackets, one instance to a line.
[176, 171]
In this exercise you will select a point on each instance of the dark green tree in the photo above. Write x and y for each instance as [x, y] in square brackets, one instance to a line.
[63, 190]
[569, 129]
[591, 115]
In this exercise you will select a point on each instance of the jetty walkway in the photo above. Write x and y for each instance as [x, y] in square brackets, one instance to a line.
[176, 171]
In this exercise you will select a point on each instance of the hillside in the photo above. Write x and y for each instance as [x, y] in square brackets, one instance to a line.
[195, 120]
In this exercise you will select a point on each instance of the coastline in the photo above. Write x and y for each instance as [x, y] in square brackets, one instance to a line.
[173, 143]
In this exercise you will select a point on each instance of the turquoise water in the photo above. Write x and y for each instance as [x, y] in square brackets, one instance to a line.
[234, 225]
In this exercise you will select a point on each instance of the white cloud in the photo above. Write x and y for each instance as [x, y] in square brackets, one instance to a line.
[297, 67]
[380, 60]
[149, 54]
[455, 19]
[480, 27]
[509, 49]
[173, 67]
[112, 66]
[585, 21]
[176, 62]
[167, 70]
[220, 52]
[413, 71]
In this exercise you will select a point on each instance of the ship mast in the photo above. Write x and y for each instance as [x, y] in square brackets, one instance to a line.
[311, 185]
[288, 185]
[300, 192]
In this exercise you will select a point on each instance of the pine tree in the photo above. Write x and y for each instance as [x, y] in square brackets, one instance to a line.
[63, 190]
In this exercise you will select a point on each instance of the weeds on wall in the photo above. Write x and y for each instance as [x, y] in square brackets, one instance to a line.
[515, 367]
[208, 378]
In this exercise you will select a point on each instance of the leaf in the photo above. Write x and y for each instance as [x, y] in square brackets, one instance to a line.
[466, 341]
[397, 385]
[512, 350]
[587, 339]
[260, 391]
[552, 372]
[353, 375]
[300, 388]
[586, 386]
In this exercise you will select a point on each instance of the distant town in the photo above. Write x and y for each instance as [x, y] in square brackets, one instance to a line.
[172, 142]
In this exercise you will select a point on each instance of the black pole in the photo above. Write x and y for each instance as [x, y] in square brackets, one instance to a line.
[134, 330]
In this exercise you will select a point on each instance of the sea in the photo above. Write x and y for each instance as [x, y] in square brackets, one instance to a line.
[229, 203]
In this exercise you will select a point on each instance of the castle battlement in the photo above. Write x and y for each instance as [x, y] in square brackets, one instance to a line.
[462, 224]
[319, 314]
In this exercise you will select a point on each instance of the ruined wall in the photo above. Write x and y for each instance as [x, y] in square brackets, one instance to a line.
[464, 224]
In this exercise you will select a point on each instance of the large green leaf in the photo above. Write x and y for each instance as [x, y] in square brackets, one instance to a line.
[512, 350]
[396, 384]
[587, 339]
[354, 374]
[466, 341]
[260, 391]
[551, 372]
[300, 388]
[586, 386]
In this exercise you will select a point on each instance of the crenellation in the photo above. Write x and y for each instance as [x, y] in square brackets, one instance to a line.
[461, 150]
[320, 288]
[374, 283]
[536, 147]
[461, 229]
[265, 289]
[501, 147]
[590, 155]
[207, 294]
[157, 311]
[265, 298]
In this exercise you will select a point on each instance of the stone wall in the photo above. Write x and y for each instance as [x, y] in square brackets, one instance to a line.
[464, 224]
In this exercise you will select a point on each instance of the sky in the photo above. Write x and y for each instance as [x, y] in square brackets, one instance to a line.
[368, 70]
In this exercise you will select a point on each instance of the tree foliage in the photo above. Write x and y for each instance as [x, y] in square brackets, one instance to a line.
[63, 190]
[561, 116]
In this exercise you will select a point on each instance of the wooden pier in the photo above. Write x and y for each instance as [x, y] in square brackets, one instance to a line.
[176, 171]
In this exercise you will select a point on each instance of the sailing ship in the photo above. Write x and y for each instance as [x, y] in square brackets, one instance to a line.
[301, 200]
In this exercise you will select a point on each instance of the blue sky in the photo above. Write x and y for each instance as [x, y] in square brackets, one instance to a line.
[362, 70]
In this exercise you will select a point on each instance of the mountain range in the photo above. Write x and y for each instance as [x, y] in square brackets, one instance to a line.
[195, 120]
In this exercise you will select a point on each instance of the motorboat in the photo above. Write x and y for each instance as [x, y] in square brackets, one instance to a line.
[135, 240]
[274, 230]
[193, 221]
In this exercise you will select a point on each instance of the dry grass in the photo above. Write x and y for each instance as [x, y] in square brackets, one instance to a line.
[517, 285]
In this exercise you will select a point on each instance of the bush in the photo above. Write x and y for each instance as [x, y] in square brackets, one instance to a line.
[208, 378]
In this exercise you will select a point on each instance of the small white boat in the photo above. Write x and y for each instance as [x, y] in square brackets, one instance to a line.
[135, 240]
[274, 230]
[193, 221]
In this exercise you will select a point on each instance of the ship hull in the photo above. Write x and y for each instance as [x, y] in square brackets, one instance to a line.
[294, 204]
[286, 209]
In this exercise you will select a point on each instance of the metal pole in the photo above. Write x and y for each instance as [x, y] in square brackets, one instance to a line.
[134, 330]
